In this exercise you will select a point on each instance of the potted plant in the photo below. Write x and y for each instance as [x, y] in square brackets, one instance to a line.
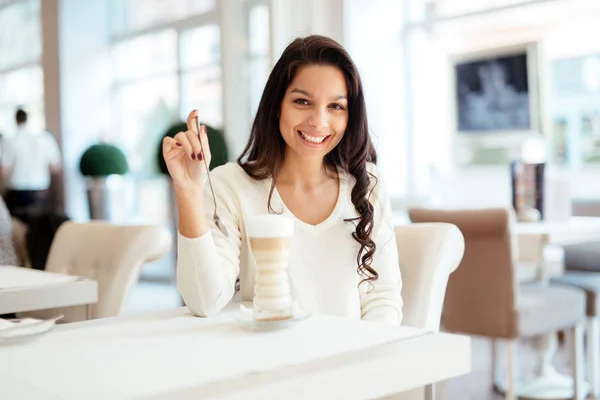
[98, 163]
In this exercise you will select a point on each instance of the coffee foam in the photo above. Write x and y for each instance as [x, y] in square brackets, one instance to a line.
[269, 226]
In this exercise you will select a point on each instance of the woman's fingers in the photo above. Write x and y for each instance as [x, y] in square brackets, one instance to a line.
[186, 145]
[191, 121]
[170, 143]
[171, 147]
[192, 137]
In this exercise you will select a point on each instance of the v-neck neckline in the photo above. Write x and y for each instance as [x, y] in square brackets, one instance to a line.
[331, 219]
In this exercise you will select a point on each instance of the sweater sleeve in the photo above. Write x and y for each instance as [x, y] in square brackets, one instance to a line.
[208, 266]
[381, 300]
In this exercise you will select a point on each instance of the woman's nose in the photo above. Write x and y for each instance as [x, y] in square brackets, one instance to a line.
[318, 118]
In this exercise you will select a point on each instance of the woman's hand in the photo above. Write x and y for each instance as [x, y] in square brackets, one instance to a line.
[184, 157]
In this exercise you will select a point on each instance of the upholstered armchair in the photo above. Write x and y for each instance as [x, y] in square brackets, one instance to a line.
[112, 255]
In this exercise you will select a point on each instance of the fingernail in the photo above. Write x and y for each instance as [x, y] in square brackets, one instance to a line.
[178, 144]
[193, 156]
[199, 156]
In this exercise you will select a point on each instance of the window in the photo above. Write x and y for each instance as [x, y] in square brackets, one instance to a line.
[575, 104]
[22, 88]
[202, 90]
[21, 76]
[145, 56]
[159, 76]
[200, 46]
[20, 37]
[201, 86]
[145, 109]
[445, 8]
[135, 15]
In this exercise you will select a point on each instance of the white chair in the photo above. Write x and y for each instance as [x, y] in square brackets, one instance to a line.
[428, 254]
[112, 255]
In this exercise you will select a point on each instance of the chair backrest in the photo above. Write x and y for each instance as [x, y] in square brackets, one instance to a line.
[480, 298]
[112, 255]
[428, 254]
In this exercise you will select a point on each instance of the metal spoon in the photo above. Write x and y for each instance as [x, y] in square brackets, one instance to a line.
[216, 218]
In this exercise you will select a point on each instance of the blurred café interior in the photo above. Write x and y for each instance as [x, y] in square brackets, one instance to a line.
[474, 107]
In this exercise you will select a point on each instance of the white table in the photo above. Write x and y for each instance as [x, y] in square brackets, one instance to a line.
[575, 230]
[549, 384]
[24, 289]
[172, 354]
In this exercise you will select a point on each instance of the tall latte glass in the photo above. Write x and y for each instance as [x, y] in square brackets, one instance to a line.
[271, 243]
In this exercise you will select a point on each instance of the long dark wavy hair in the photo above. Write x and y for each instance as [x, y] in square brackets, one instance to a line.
[263, 156]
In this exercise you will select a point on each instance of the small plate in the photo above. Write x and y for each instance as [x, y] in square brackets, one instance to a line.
[26, 330]
[245, 319]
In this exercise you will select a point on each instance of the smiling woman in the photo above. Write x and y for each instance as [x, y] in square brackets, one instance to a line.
[309, 158]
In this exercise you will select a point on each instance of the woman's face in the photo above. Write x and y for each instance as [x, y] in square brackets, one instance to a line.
[314, 111]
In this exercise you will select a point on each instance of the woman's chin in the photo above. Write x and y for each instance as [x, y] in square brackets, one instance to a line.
[309, 153]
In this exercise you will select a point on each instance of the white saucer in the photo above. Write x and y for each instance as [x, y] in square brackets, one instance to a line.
[25, 330]
[245, 319]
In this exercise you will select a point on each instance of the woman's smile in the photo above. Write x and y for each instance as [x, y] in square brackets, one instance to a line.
[313, 139]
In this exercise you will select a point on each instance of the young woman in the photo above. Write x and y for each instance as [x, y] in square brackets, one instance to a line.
[309, 157]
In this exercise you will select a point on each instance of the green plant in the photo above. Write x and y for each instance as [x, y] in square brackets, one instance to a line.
[103, 159]
[218, 146]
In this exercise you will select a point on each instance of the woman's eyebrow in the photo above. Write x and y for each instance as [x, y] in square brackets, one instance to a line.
[307, 94]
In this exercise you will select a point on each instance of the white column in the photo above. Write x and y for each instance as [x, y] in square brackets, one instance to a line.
[236, 113]
[422, 89]
[83, 89]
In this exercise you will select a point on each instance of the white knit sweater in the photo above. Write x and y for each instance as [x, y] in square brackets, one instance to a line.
[323, 269]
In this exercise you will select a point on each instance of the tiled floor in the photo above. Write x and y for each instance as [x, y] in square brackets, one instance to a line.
[478, 384]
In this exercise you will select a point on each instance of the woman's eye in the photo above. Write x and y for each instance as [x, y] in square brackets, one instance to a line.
[302, 102]
[337, 106]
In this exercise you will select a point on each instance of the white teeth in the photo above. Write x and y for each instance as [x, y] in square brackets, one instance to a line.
[312, 139]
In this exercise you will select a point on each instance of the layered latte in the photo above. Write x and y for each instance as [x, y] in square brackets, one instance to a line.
[271, 243]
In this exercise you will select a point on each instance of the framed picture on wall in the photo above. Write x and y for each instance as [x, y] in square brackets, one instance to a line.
[496, 98]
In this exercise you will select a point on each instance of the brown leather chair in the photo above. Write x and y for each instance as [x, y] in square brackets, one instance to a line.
[484, 299]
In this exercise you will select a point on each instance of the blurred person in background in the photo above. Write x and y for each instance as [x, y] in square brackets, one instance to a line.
[28, 160]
